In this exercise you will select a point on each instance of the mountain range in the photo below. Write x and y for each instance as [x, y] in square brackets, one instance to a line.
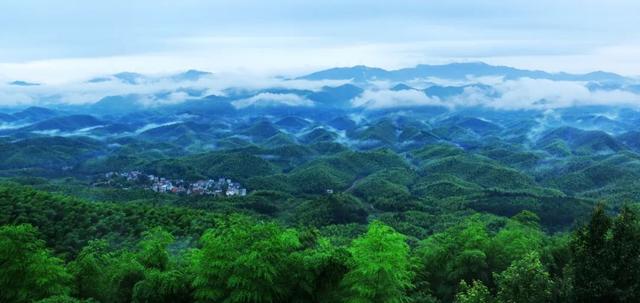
[459, 85]
[440, 123]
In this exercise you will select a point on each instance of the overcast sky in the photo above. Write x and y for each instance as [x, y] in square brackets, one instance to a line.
[53, 41]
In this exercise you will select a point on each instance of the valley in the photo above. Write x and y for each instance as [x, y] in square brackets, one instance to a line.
[461, 177]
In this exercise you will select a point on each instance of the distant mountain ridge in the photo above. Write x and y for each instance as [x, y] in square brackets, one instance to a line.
[134, 78]
[23, 83]
[434, 88]
[361, 73]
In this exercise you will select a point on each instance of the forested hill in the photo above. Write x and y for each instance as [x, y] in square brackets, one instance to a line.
[55, 248]
[453, 183]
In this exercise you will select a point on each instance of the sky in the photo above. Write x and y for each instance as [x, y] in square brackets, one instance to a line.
[53, 41]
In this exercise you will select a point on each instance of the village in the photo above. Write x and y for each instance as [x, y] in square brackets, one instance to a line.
[220, 187]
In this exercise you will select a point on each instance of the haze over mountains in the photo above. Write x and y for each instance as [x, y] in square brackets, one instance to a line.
[319, 151]
[532, 124]
[418, 149]
[451, 85]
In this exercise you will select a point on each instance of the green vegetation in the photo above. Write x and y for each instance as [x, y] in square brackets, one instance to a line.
[29, 271]
[340, 207]
[104, 252]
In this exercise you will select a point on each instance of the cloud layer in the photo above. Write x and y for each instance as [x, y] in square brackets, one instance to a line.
[518, 94]
[379, 99]
[267, 99]
[542, 94]
[258, 90]
[153, 90]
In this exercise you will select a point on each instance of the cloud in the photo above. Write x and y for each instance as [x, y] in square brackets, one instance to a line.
[81, 92]
[379, 99]
[526, 93]
[154, 125]
[518, 94]
[5, 125]
[109, 36]
[10, 97]
[79, 132]
[163, 89]
[154, 89]
[544, 122]
[267, 99]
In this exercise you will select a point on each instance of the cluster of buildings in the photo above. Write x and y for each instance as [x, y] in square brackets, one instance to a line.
[219, 187]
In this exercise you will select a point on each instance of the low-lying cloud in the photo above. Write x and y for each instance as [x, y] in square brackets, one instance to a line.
[159, 90]
[526, 93]
[379, 99]
[153, 90]
[270, 99]
[518, 94]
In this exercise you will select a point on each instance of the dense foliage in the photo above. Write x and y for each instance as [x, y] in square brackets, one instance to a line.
[239, 258]
[342, 204]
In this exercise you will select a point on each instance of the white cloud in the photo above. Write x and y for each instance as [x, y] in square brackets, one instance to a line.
[144, 36]
[266, 99]
[378, 99]
[10, 97]
[154, 125]
[79, 91]
[526, 93]
[5, 126]
[519, 94]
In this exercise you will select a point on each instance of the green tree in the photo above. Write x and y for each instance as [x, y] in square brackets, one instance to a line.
[591, 260]
[90, 272]
[525, 281]
[331, 209]
[458, 253]
[518, 237]
[380, 272]
[143, 276]
[28, 271]
[318, 272]
[477, 292]
[625, 254]
[556, 256]
[152, 249]
[164, 280]
[170, 286]
[115, 276]
[244, 261]
[124, 273]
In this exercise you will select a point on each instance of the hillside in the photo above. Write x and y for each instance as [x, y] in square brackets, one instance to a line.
[289, 191]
